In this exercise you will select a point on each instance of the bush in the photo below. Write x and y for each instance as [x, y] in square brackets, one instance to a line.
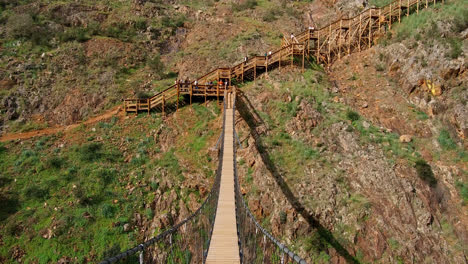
[249, 4]
[425, 173]
[271, 15]
[445, 141]
[463, 188]
[90, 152]
[353, 116]
[55, 162]
[19, 25]
[156, 65]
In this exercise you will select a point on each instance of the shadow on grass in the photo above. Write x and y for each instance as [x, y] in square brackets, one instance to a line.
[245, 108]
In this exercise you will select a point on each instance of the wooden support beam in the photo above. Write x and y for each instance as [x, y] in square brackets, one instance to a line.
[407, 9]
[318, 47]
[391, 17]
[370, 27]
[255, 68]
[380, 15]
[399, 12]
[191, 93]
[426, 3]
[329, 44]
[417, 7]
[339, 38]
[205, 93]
[360, 31]
[292, 54]
[350, 30]
[164, 104]
[303, 57]
[217, 92]
[243, 72]
[178, 95]
[266, 66]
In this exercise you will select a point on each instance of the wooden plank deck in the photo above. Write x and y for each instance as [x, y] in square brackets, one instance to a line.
[224, 246]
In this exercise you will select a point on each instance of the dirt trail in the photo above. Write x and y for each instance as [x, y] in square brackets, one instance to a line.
[53, 130]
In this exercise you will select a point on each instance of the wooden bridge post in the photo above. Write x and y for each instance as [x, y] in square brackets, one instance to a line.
[149, 105]
[349, 38]
[399, 12]
[267, 64]
[205, 93]
[360, 31]
[178, 94]
[318, 47]
[407, 8]
[427, 3]
[303, 56]
[329, 44]
[390, 21]
[434, 2]
[217, 93]
[339, 39]
[191, 93]
[243, 71]
[255, 68]
[417, 7]
[292, 54]
[380, 15]
[370, 27]
[163, 104]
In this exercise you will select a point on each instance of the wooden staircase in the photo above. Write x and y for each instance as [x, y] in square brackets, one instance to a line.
[326, 44]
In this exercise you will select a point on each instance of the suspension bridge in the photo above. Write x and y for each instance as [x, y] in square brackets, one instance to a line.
[223, 230]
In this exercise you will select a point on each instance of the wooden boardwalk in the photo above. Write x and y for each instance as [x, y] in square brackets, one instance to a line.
[224, 246]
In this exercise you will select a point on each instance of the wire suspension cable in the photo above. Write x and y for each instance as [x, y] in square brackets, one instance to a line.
[182, 245]
[256, 247]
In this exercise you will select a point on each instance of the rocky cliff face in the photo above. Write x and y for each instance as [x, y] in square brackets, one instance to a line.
[355, 180]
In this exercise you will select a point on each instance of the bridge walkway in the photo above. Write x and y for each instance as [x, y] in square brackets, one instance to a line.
[224, 246]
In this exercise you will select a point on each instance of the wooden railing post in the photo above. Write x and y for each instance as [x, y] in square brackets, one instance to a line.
[242, 68]
[217, 93]
[380, 15]
[255, 68]
[205, 93]
[391, 13]
[349, 38]
[360, 31]
[399, 12]
[178, 94]
[164, 104]
[191, 93]
[149, 105]
[292, 54]
[417, 7]
[318, 47]
[339, 39]
[370, 27]
[407, 8]
[303, 56]
[329, 43]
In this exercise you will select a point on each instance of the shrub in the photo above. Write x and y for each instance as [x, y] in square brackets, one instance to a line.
[249, 4]
[463, 188]
[19, 25]
[271, 15]
[425, 173]
[445, 141]
[106, 175]
[55, 162]
[156, 64]
[90, 152]
[351, 115]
